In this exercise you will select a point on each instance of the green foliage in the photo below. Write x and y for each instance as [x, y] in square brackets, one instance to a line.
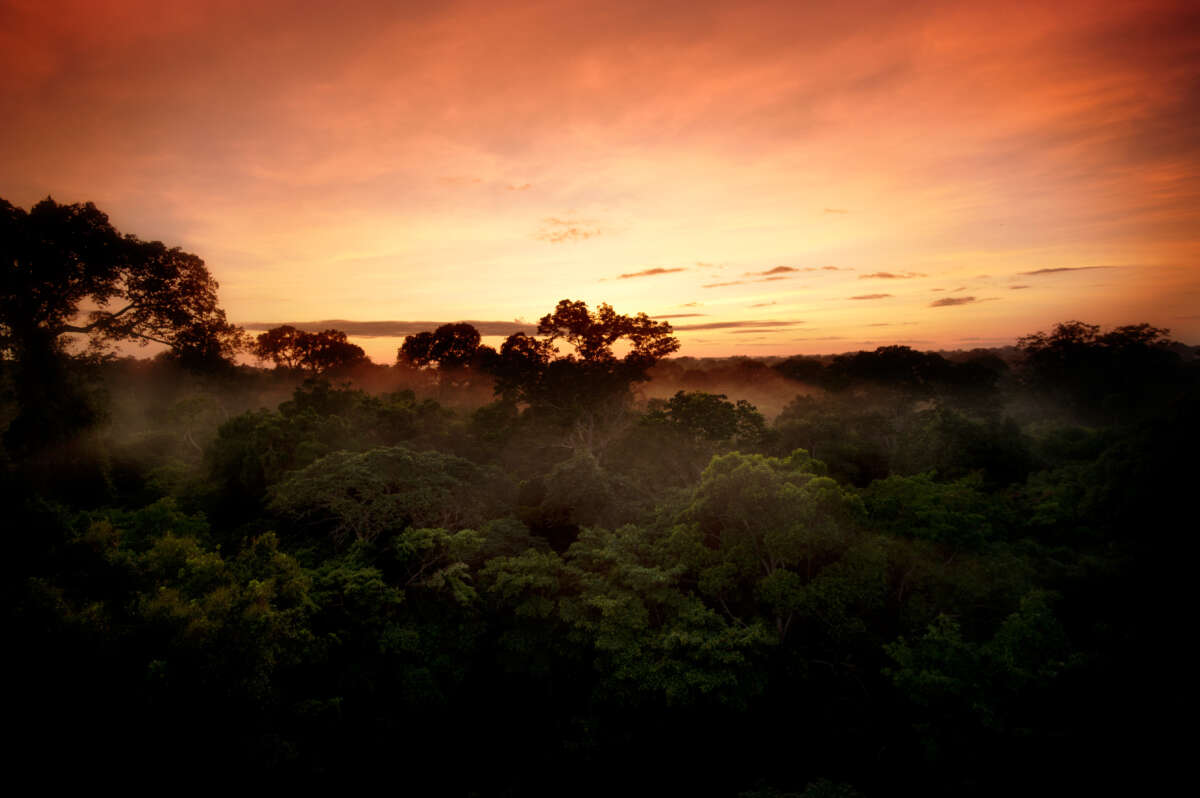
[650, 636]
[710, 417]
[193, 618]
[954, 444]
[363, 495]
[255, 450]
[959, 514]
[961, 684]
[783, 544]
[857, 439]
[354, 575]
[580, 492]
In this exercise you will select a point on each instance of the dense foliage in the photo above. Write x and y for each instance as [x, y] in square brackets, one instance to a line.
[926, 575]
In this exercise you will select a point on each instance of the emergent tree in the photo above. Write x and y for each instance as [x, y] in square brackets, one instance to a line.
[65, 271]
[589, 386]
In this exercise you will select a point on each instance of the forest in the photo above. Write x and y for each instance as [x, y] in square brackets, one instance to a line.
[581, 563]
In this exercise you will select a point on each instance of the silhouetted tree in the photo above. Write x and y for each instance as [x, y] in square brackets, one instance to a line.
[896, 366]
[1092, 372]
[588, 388]
[533, 369]
[316, 353]
[65, 271]
[280, 345]
[451, 346]
[329, 351]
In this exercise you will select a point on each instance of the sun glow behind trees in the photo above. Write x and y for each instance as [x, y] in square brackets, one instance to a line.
[470, 162]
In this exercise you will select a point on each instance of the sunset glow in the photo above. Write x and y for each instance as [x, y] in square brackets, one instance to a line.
[772, 178]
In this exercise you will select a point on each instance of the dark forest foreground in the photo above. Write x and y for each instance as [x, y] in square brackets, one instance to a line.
[573, 565]
[922, 576]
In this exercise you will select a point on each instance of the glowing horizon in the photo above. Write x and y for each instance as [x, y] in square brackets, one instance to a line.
[943, 175]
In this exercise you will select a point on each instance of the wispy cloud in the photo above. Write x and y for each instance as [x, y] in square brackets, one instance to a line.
[950, 301]
[871, 296]
[1060, 269]
[891, 276]
[678, 315]
[776, 270]
[762, 305]
[733, 325]
[650, 272]
[559, 231]
[722, 285]
[1016, 287]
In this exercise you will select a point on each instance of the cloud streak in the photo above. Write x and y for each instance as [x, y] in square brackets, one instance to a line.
[871, 296]
[1062, 269]
[733, 325]
[649, 273]
[776, 270]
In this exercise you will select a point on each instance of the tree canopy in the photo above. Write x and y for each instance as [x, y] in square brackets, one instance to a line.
[1100, 373]
[316, 353]
[65, 270]
[891, 585]
[451, 346]
[535, 371]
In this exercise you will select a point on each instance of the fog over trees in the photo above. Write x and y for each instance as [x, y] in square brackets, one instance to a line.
[576, 564]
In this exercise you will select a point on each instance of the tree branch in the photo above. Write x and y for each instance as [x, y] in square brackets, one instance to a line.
[71, 328]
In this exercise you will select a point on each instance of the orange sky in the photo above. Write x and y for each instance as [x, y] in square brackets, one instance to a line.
[805, 180]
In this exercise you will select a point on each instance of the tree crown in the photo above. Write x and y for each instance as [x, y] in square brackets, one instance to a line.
[65, 270]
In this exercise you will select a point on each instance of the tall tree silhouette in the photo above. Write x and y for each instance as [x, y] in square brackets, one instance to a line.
[451, 346]
[65, 271]
[589, 386]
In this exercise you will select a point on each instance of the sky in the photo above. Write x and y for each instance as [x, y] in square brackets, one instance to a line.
[771, 178]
